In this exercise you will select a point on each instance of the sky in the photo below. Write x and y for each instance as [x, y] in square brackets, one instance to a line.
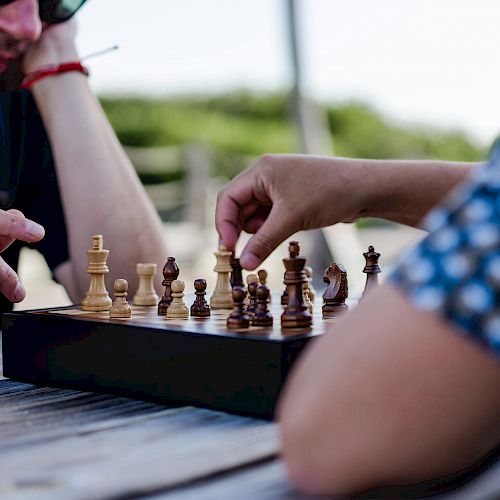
[433, 62]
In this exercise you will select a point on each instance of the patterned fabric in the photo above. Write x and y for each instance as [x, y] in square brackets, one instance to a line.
[455, 270]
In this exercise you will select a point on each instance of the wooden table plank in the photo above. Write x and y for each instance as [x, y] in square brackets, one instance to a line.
[58, 443]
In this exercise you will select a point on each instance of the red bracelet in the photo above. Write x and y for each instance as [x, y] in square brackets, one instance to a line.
[52, 69]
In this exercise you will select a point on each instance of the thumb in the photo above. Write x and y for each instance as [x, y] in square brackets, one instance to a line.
[275, 229]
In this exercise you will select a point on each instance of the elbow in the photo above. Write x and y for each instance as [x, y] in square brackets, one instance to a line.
[322, 461]
[325, 456]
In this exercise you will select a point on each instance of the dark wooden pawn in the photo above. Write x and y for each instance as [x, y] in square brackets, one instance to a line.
[296, 314]
[262, 316]
[238, 318]
[170, 273]
[336, 292]
[372, 269]
[252, 294]
[236, 273]
[200, 307]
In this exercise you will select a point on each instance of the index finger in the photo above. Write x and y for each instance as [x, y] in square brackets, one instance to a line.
[230, 202]
[14, 226]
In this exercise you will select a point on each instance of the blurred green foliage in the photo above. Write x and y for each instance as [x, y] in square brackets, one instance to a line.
[240, 126]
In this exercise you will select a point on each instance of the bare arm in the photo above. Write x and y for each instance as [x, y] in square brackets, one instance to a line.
[282, 194]
[100, 190]
[391, 396]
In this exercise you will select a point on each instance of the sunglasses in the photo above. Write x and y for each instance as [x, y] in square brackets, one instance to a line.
[54, 11]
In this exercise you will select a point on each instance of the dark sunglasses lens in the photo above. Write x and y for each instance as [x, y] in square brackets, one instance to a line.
[57, 11]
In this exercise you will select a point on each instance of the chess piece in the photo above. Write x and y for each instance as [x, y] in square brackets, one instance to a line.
[120, 307]
[296, 314]
[336, 292]
[252, 285]
[200, 308]
[177, 309]
[311, 292]
[262, 273]
[236, 272]
[262, 316]
[284, 296]
[238, 318]
[372, 269]
[170, 273]
[307, 300]
[145, 295]
[97, 297]
[221, 297]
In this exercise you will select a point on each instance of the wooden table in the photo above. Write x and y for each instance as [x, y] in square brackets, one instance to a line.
[59, 444]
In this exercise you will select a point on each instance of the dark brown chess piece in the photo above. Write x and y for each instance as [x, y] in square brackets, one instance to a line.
[200, 308]
[262, 316]
[252, 294]
[372, 269]
[170, 273]
[296, 314]
[238, 318]
[236, 273]
[336, 292]
[262, 274]
[284, 296]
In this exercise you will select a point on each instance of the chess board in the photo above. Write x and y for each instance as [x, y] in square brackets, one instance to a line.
[195, 361]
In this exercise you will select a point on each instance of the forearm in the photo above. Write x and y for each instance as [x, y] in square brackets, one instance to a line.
[404, 191]
[100, 190]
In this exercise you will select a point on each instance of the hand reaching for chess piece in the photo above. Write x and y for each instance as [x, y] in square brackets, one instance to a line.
[282, 194]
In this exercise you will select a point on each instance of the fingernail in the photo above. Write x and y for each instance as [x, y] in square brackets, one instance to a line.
[34, 230]
[249, 261]
[19, 292]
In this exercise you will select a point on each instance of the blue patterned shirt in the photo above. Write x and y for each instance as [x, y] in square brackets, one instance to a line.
[455, 270]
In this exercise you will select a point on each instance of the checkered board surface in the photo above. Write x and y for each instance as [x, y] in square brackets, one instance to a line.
[214, 324]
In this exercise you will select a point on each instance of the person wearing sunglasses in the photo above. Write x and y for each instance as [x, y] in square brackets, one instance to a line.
[63, 174]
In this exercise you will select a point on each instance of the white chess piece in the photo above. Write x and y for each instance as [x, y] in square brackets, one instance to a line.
[146, 294]
[177, 309]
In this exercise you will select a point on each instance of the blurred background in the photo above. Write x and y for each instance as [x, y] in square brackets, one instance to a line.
[199, 89]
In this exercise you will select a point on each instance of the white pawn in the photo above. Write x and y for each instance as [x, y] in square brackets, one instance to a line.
[120, 307]
[307, 299]
[311, 292]
[177, 309]
[146, 295]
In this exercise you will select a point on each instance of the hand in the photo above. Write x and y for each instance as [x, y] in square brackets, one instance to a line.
[14, 226]
[55, 45]
[282, 194]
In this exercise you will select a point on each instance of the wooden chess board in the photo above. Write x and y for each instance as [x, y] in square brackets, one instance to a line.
[195, 361]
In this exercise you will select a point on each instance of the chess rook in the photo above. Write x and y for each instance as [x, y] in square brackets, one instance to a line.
[200, 308]
[120, 307]
[262, 316]
[177, 309]
[372, 269]
[146, 294]
[97, 297]
[221, 297]
[336, 291]
[296, 314]
[238, 318]
[170, 273]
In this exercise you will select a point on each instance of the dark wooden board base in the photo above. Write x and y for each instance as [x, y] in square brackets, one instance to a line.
[196, 362]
